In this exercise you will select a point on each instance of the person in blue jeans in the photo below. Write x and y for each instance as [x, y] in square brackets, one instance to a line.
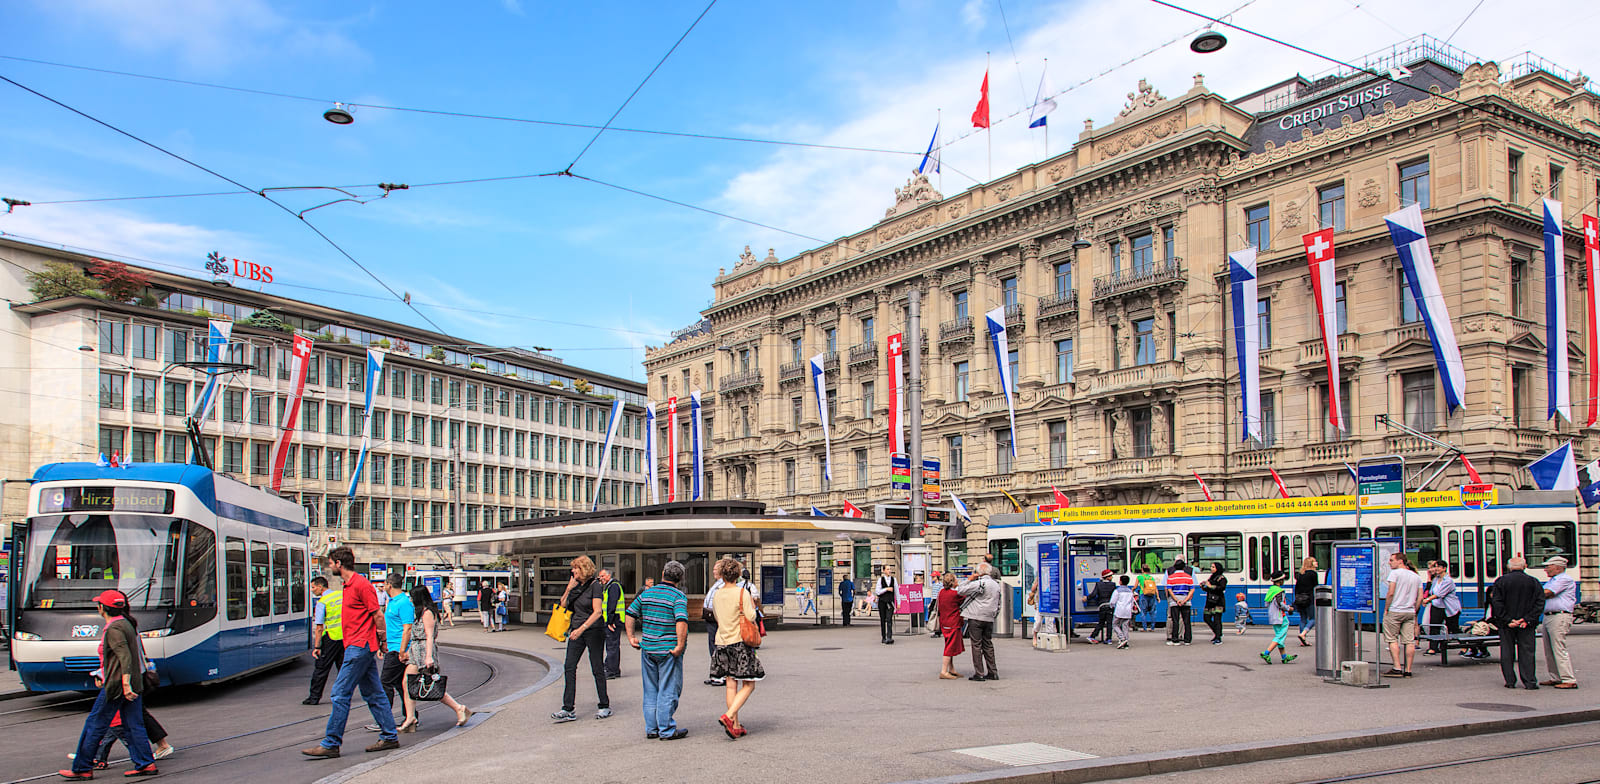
[121, 677]
[358, 611]
[658, 626]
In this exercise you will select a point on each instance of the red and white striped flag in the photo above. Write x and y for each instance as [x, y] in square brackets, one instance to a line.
[1472, 473]
[300, 359]
[1203, 489]
[851, 510]
[1591, 268]
[897, 427]
[672, 449]
[1061, 498]
[1319, 254]
[1283, 492]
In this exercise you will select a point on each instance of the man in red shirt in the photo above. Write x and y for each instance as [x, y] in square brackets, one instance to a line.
[1180, 593]
[359, 611]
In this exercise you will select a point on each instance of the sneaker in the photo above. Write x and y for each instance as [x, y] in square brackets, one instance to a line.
[1291, 657]
[372, 728]
[651, 736]
[1123, 646]
[1216, 642]
[71, 774]
[148, 770]
[603, 713]
[163, 752]
[563, 715]
[1188, 643]
[714, 681]
[1266, 656]
[1169, 642]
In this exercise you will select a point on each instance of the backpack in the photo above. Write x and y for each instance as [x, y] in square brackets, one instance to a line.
[1147, 585]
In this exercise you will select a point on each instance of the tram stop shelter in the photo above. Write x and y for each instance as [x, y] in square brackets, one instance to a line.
[635, 542]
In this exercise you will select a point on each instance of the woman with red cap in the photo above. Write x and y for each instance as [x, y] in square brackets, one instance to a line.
[122, 666]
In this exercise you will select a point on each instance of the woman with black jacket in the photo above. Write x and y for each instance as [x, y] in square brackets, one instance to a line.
[1216, 589]
[586, 634]
[1305, 586]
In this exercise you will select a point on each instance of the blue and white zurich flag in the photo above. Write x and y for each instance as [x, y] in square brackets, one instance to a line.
[1558, 377]
[1042, 106]
[1556, 470]
[815, 512]
[1411, 242]
[995, 324]
[697, 443]
[650, 450]
[374, 372]
[218, 335]
[819, 382]
[611, 437]
[932, 155]
[961, 507]
[1246, 338]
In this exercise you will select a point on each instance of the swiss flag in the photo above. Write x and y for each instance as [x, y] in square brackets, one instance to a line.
[980, 115]
[116, 460]
[851, 510]
[1472, 473]
[1062, 501]
[1283, 492]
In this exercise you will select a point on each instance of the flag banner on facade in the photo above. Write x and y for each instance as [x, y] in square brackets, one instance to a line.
[778, 510]
[961, 507]
[1206, 491]
[1319, 254]
[300, 356]
[1042, 106]
[1354, 477]
[102, 462]
[116, 459]
[819, 383]
[1246, 340]
[217, 337]
[650, 456]
[815, 512]
[374, 372]
[1411, 242]
[697, 491]
[672, 449]
[897, 419]
[1283, 492]
[1555, 470]
[1591, 277]
[930, 159]
[980, 115]
[1472, 472]
[851, 510]
[1589, 483]
[611, 437]
[1558, 376]
[996, 321]
[1061, 498]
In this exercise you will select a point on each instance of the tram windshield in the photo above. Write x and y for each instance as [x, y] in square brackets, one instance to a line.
[72, 558]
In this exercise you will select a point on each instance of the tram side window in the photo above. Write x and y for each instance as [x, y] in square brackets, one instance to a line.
[1455, 554]
[1322, 540]
[235, 577]
[1117, 554]
[1505, 541]
[1542, 541]
[297, 580]
[280, 580]
[1491, 555]
[1006, 556]
[260, 580]
[200, 568]
[1226, 549]
[1469, 556]
[1156, 559]
[1421, 539]
[1255, 573]
[1300, 552]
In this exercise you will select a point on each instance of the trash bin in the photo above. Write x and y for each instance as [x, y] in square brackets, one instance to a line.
[1004, 624]
[1326, 618]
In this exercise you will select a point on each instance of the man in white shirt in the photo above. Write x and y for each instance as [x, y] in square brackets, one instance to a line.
[1400, 619]
[1560, 599]
[885, 591]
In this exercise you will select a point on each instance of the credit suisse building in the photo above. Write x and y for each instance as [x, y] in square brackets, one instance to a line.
[1126, 378]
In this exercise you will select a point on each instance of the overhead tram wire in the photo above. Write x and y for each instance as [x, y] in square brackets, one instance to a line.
[640, 86]
[697, 208]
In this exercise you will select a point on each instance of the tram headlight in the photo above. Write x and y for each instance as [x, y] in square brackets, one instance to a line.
[29, 636]
[154, 633]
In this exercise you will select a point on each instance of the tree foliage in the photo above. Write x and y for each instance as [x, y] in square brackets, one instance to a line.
[119, 283]
[59, 279]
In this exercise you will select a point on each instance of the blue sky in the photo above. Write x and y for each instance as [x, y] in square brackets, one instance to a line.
[593, 272]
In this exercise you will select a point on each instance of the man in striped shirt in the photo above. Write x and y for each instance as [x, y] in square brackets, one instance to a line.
[658, 625]
[1180, 593]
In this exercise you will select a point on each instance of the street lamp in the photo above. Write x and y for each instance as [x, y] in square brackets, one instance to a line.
[339, 115]
[1208, 42]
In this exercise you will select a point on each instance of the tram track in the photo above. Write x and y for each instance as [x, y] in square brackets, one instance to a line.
[1444, 764]
[299, 741]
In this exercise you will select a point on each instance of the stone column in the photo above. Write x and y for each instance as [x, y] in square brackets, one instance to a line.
[982, 296]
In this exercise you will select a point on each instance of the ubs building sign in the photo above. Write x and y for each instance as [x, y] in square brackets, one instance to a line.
[1359, 96]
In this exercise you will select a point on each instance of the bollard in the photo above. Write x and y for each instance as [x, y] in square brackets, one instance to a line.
[1326, 618]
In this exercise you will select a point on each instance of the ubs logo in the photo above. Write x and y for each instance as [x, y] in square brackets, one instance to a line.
[86, 630]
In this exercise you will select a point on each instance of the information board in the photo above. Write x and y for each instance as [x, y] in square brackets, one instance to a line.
[909, 598]
[1355, 577]
[899, 471]
[930, 479]
[772, 585]
[1049, 578]
[1380, 485]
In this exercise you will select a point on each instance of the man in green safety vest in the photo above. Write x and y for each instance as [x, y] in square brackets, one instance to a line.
[614, 603]
[327, 647]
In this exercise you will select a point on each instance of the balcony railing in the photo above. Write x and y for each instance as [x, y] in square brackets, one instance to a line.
[737, 381]
[792, 371]
[1139, 375]
[1404, 444]
[1528, 440]
[1333, 452]
[956, 330]
[1413, 331]
[1253, 458]
[1058, 305]
[1135, 467]
[863, 354]
[1140, 277]
[830, 361]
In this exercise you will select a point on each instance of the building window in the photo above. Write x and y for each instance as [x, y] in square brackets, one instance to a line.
[1264, 321]
[1417, 394]
[1064, 361]
[1002, 451]
[1555, 182]
[1408, 304]
[960, 301]
[113, 337]
[1013, 361]
[1329, 431]
[796, 411]
[1514, 176]
[143, 447]
[861, 469]
[176, 398]
[1144, 252]
[795, 349]
[1140, 420]
[1522, 413]
[233, 405]
[178, 349]
[232, 457]
[1144, 341]
[961, 381]
[955, 464]
[868, 399]
[1169, 244]
[1414, 184]
[1008, 291]
[144, 394]
[1058, 444]
[1330, 207]
[111, 441]
[111, 390]
[1116, 256]
[314, 370]
[146, 341]
[310, 462]
[175, 449]
[1257, 227]
[1269, 418]
[1340, 320]
[1063, 278]
[1519, 285]
[830, 338]
[788, 477]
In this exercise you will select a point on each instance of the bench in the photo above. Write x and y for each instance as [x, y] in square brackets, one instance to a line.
[1444, 642]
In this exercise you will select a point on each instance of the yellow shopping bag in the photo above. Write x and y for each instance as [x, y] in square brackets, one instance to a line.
[560, 622]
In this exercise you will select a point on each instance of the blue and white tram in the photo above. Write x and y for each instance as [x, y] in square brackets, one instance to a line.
[215, 571]
[466, 582]
[1253, 539]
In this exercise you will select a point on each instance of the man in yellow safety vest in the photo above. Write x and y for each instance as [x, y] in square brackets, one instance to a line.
[327, 647]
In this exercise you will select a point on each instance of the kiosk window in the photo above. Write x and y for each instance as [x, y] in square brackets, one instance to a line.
[1005, 556]
[1226, 549]
[237, 582]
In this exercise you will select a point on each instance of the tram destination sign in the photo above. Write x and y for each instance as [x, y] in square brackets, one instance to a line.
[106, 499]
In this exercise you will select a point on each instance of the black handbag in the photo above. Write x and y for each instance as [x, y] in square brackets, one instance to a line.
[427, 685]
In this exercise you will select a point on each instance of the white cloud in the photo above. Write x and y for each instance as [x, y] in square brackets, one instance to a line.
[972, 14]
[512, 6]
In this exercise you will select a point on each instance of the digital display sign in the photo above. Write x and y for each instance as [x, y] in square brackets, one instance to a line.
[106, 499]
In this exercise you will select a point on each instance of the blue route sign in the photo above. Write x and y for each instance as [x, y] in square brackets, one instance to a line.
[1049, 578]
[1354, 578]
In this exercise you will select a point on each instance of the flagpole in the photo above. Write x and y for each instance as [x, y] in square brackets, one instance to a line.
[1047, 121]
[937, 144]
[988, 129]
